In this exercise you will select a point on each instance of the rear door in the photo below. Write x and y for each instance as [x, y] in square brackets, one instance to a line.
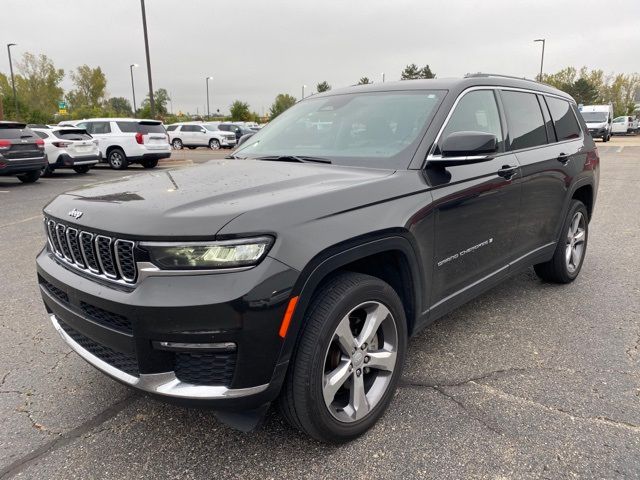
[476, 207]
[154, 135]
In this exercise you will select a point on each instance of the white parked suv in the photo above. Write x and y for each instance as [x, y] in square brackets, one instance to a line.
[68, 147]
[197, 134]
[128, 140]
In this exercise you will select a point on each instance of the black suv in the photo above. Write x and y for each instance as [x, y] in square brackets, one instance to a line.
[297, 269]
[21, 152]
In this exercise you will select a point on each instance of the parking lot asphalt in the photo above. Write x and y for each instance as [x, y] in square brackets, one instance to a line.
[530, 380]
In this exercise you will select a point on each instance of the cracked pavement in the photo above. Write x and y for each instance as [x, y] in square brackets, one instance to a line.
[527, 381]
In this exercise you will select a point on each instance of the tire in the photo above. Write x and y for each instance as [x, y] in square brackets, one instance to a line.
[214, 144]
[117, 159]
[177, 144]
[318, 353]
[571, 249]
[82, 169]
[48, 170]
[29, 177]
[191, 148]
[150, 163]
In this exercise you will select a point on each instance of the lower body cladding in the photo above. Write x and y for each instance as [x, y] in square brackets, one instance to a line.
[201, 340]
[149, 157]
[66, 160]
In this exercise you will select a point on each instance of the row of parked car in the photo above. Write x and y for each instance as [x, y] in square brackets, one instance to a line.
[29, 151]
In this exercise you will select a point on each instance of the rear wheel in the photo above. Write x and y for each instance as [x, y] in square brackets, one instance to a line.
[48, 170]
[567, 260]
[29, 177]
[117, 159]
[82, 168]
[177, 144]
[149, 163]
[214, 144]
[348, 361]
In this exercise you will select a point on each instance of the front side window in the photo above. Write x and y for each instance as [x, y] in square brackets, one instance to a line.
[619, 120]
[380, 129]
[564, 120]
[526, 125]
[476, 111]
[101, 127]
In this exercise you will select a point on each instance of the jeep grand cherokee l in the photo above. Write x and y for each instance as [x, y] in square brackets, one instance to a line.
[296, 270]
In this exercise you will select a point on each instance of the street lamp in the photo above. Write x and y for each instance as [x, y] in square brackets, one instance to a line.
[303, 87]
[13, 80]
[542, 58]
[208, 111]
[133, 87]
[382, 77]
[152, 103]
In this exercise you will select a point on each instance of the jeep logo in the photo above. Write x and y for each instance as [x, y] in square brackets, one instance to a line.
[75, 213]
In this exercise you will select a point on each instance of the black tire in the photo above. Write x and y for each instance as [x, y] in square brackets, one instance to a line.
[559, 269]
[48, 170]
[191, 148]
[150, 163]
[177, 144]
[29, 177]
[117, 159]
[214, 144]
[82, 169]
[301, 401]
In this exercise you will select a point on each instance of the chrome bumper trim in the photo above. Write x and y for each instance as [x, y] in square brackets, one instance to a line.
[160, 383]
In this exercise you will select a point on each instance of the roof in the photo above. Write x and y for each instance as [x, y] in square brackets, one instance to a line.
[113, 119]
[451, 84]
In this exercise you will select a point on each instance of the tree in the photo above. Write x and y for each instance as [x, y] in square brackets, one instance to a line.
[161, 97]
[364, 81]
[37, 85]
[240, 111]
[281, 103]
[119, 106]
[323, 87]
[90, 88]
[412, 72]
[584, 92]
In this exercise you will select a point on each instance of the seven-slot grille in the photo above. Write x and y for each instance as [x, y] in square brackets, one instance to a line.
[108, 257]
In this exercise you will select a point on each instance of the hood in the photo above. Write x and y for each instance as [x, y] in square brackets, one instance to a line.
[198, 201]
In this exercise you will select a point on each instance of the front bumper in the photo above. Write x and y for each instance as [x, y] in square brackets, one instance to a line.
[23, 165]
[597, 133]
[118, 331]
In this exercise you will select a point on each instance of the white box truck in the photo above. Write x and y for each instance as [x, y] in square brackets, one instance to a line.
[598, 119]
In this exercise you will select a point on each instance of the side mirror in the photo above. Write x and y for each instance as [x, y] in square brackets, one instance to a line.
[465, 144]
[202, 130]
[244, 138]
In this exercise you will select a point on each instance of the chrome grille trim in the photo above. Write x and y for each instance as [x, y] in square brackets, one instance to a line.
[98, 255]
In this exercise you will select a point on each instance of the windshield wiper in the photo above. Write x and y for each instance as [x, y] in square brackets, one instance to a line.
[294, 158]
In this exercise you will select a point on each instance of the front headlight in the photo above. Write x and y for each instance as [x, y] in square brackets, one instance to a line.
[208, 255]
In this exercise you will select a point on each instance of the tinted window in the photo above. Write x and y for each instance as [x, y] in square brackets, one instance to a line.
[171, 128]
[100, 127]
[128, 127]
[42, 134]
[224, 128]
[190, 128]
[72, 134]
[149, 127]
[477, 111]
[526, 125]
[564, 119]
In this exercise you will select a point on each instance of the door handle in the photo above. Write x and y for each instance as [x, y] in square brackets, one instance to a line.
[563, 158]
[508, 171]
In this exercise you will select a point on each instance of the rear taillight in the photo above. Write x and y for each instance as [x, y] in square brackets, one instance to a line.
[5, 144]
[139, 138]
[61, 144]
[593, 159]
[40, 143]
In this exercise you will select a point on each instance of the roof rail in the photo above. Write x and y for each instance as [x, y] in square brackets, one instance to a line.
[481, 74]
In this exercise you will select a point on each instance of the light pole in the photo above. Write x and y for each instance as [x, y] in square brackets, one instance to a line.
[133, 87]
[542, 58]
[152, 103]
[382, 77]
[13, 80]
[303, 87]
[208, 111]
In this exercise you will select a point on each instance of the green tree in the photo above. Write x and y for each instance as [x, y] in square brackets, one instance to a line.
[90, 88]
[584, 92]
[119, 106]
[364, 81]
[240, 111]
[38, 86]
[161, 98]
[323, 87]
[282, 102]
[413, 72]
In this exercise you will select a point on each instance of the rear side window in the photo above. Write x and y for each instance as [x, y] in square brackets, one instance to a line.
[526, 125]
[171, 128]
[72, 134]
[564, 120]
[477, 111]
[128, 127]
[41, 134]
[151, 128]
[99, 127]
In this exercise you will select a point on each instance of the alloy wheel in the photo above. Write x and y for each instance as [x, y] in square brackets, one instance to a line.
[214, 144]
[576, 237]
[116, 159]
[360, 361]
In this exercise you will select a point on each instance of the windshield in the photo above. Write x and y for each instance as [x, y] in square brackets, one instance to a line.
[594, 117]
[377, 129]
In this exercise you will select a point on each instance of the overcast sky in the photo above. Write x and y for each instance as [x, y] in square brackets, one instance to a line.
[256, 49]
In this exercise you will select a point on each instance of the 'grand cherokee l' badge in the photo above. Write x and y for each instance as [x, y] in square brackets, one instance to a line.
[75, 213]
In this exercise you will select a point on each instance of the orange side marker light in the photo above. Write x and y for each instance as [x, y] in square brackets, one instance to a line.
[286, 320]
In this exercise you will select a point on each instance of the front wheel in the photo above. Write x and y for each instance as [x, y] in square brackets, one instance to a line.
[567, 260]
[82, 168]
[214, 144]
[30, 177]
[177, 144]
[117, 159]
[348, 360]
